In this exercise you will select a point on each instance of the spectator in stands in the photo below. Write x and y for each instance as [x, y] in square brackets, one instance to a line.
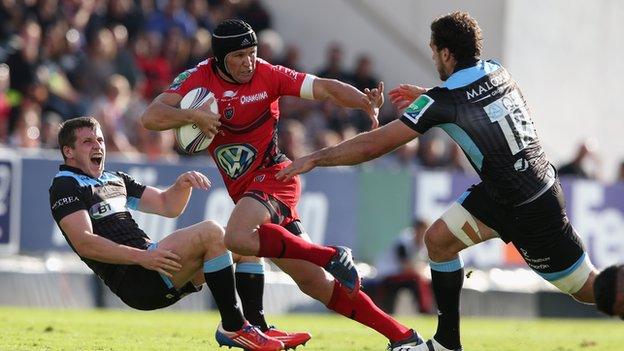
[125, 13]
[201, 44]
[159, 147]
[47, 13]
[173, 15]
[292, 55]
[79, 13]
[326, 138]
[363, 77]
[199, 10]
[270, 45]
[254, 13]
[584, 163]
[99, 66]
[176, 49]
[400, 267]
[156, 69]
[125, 62]
[63, 98]
[458, 162]
[24, 60]
[27, 131]
[403, 158]
[50, 125]
[109, 111]
[432, 151]
[292, 138]
[333, 65]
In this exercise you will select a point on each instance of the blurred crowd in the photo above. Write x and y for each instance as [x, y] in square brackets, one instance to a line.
[61, 59]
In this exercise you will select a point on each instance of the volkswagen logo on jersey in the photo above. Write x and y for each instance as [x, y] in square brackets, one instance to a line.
[235, 159]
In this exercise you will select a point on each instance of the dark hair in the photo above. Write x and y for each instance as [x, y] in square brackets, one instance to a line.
[231, 35]
[67, 133]
[605, 287]
[459, 33]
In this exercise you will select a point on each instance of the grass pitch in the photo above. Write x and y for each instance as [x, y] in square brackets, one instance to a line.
[37, 329]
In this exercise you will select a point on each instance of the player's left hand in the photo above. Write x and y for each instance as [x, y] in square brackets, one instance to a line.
[298, 166]
[375, 99]
[193, 179]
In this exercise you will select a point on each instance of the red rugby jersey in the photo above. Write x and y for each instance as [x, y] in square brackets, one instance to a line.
[249, 115]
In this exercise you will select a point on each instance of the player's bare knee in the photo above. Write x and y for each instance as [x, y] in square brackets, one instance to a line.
[439, 245]
[211, 234]
[236, 241]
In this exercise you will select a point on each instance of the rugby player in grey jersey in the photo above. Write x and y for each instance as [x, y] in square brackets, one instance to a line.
[519, 199]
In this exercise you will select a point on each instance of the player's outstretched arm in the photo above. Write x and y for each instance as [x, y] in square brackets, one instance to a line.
[79, 230]
[172, 201]
[361, 148]
[346, 95]
[163, 114]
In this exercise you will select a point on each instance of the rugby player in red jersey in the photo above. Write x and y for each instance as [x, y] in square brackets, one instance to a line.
[264, 222]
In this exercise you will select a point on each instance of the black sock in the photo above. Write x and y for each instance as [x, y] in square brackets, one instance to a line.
[250, 287]
[447, 289]
[221, 284]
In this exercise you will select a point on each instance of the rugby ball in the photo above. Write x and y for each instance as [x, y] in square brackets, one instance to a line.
[189, 137]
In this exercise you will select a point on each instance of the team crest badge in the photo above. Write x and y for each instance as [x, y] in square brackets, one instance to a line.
[228, 113]
[259, 178]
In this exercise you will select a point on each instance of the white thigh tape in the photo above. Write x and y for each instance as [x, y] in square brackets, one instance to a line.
[461, 223]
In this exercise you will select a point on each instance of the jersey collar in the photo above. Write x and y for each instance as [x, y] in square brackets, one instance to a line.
[79, 171]
[463, 75]
[73, 170]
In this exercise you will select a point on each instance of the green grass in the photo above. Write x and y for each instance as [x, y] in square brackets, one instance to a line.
[37, 329]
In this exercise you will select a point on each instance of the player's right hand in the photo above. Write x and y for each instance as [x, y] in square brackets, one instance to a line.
[403, 95]
[193, 179]
[161, 260]
[301, 165]
[207, 121]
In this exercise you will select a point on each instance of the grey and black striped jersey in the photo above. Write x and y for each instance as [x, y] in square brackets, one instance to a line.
[107, 200]
[482, 108]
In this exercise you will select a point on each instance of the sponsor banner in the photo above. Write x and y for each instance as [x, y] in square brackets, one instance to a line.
[597, 213]
[9, 200]
[595, 210]
[326, 205]
[364, 210]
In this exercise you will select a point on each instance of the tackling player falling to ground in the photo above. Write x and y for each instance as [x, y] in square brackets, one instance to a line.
[519, 199]
[91, 207]
[264, 222]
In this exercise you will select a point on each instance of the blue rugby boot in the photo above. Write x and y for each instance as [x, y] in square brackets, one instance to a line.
[342, 267]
